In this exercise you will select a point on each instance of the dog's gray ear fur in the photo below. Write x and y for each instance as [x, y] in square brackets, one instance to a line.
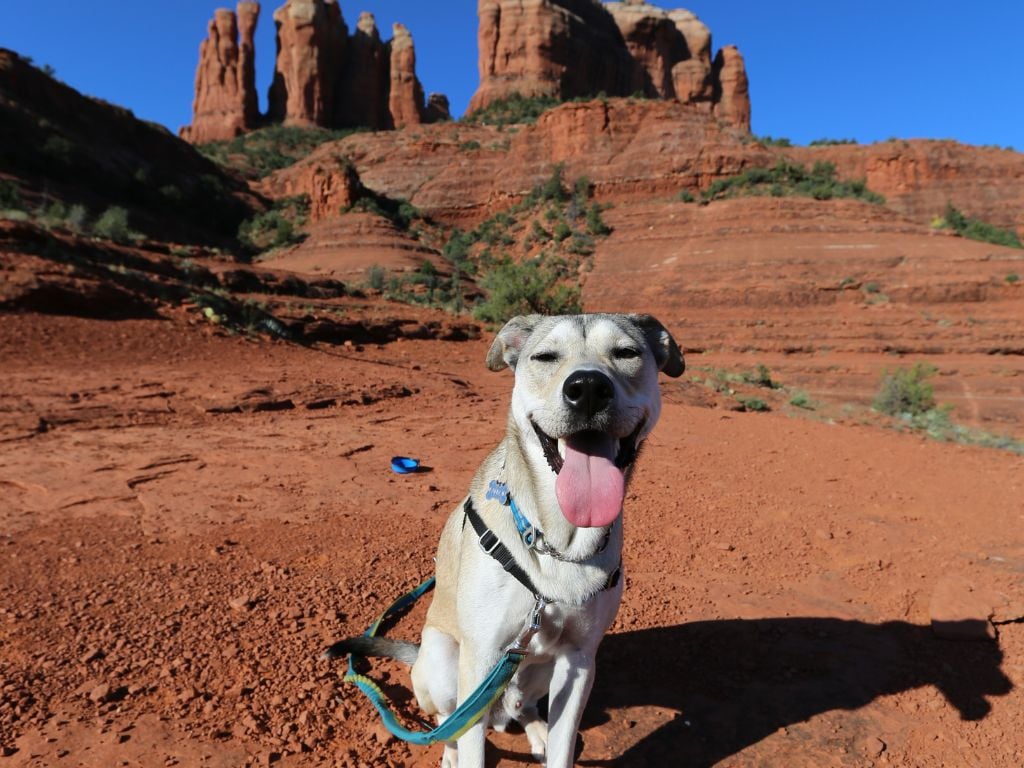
[510, 340]
[666, 351]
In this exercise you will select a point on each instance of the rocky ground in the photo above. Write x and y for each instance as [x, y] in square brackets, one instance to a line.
[188, 517]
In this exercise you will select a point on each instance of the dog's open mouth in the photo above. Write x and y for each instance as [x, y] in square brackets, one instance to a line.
[590, 468]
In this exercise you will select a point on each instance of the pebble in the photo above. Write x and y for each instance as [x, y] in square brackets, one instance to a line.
[240, 603]
[100, 693]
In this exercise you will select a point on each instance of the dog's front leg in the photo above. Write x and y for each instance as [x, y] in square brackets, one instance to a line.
[472, 670]
[571, 681]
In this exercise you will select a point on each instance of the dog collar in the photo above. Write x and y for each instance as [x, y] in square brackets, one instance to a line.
[491, 545]
[532, 536]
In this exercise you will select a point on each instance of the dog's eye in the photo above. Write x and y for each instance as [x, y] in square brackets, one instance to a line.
[545, 357]
[626, 353]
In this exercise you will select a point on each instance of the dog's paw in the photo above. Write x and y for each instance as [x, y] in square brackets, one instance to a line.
[537, 733]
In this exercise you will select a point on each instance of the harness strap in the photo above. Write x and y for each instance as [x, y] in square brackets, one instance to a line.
[491, 544]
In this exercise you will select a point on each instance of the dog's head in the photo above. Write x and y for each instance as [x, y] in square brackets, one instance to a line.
[586, 393]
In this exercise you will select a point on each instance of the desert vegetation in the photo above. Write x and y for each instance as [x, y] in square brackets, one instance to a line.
[976, 229]
[515, 110]
[261, 152]
[786, 179]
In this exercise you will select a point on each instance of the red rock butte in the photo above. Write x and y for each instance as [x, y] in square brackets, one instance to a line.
[570, 48]
[323, 76]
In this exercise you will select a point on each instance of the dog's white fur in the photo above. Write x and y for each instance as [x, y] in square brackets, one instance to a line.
[478, 608]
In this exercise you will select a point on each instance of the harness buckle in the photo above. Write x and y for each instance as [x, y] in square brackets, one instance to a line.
[489, 542]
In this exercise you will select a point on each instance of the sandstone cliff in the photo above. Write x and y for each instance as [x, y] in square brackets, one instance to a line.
[570, 48]
[225, 103]
[323, 76]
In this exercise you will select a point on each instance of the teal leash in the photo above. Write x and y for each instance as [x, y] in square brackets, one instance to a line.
[476, 704]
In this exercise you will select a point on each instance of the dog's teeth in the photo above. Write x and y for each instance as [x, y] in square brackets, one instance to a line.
[561, 447]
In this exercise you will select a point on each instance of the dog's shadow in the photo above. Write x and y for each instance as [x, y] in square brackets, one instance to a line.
[734, 682]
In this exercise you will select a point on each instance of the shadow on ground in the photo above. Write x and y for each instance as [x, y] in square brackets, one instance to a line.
[735, 682]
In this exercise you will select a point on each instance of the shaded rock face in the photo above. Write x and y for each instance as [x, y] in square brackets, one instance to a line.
[560, 48]
[322, 75]
[570, 48]
[225, 102]
[363, 98]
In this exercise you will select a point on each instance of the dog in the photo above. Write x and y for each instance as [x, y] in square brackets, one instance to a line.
[538, 539]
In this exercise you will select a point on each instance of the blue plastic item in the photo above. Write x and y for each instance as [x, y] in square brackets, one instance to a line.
[403, 465]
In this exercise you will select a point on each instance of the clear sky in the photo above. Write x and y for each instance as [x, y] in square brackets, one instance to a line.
[867, 70]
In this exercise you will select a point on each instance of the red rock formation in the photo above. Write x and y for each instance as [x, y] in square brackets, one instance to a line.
[363, 92]
[560, 48]
[311, 38]
[654, 43]
[322, 76]
[225, 103]
[568, 48]
[405, 96]
[438, 110]
[732, 91]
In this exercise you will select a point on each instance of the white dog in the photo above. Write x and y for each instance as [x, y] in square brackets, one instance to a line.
[539, 537]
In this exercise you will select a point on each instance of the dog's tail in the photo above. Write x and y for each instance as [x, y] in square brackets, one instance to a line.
[400, 650]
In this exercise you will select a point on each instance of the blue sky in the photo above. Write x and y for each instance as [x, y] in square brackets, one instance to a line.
[867, 70]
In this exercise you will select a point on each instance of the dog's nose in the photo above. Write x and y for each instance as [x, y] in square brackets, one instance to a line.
[588, 391]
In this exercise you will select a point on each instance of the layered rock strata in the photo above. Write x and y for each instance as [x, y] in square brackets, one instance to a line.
[323, 76]
[570, 48]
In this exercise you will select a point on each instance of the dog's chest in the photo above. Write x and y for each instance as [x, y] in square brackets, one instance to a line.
[572, 627]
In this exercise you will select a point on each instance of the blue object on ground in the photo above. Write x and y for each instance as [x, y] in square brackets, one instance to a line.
[403, 465]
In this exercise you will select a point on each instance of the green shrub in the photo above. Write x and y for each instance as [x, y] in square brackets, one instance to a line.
[10, 195]
[685, 196]
[518, 289]
[761, 377]
[259, 153]
[469, 146]
[375, 277]
[768, 141]
[976, 229]
[906, 391]
[800, 399]
[831, 142]
[113, 225]
[753, 404]
[595, 224]
[1012, 278]
[77, 218]
[398, 211]
[561, 231]
[277, 227]
[788, 179]
[514, 110]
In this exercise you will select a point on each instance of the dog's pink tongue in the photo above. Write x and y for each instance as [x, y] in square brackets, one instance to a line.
[590, 488]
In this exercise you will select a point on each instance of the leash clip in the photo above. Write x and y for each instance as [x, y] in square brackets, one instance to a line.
[520, 646]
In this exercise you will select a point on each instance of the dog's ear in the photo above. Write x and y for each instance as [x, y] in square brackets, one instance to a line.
[666, 351]
[510, 340]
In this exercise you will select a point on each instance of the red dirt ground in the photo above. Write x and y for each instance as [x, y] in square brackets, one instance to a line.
[187, 518]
